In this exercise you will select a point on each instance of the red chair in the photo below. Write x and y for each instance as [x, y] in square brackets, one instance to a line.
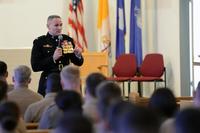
[151, 70]
[124, 69]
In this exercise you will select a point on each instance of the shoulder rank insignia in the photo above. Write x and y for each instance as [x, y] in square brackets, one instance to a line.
[47, 46]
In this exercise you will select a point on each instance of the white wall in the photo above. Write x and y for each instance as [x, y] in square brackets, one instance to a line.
[24, 20]
[168, 40]
[173, 42]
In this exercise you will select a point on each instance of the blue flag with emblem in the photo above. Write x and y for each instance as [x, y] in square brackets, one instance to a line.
[135, 30]
[120, 29]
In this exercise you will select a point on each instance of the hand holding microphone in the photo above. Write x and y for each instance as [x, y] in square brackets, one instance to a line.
[58, 52]
[60, 38]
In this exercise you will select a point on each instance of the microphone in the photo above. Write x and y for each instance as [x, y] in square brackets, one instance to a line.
[60, 38]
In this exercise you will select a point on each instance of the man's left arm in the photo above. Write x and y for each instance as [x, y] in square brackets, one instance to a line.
[76, 57]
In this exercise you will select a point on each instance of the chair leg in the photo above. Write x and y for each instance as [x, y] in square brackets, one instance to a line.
[129, 87]
[154, 85]
[123, 89]
[139, 89]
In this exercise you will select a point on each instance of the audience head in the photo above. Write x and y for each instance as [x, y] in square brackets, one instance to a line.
[69, 101]
[54, 25]
[163, 102]
[138, 120]
[92, 81]
[22, 75]
[74, 123]
[3, 71]
[187, 121]
[53, 83]
[70, 78]
[3, 90]
[116, 110]
[107, 93]
[9, 116]
[108, 90]
[197, 96]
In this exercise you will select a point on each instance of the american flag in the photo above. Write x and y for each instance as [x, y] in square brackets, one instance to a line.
[75, 21]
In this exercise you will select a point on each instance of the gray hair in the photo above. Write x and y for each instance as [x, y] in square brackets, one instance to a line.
[22, 73]
[52, 17]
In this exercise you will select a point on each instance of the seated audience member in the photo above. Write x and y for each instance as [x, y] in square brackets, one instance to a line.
[4, 74]
[115, 111]
[74, 123]
[21, 94]
[66, 101]
[138, 120]
[70, 78]
[69, 101]
[10, 121]
[35, 110]
[163, 103]
[90, 103]
[3, 98]
[108, 93]
[187, 121]
[3, 91]
[197, 96]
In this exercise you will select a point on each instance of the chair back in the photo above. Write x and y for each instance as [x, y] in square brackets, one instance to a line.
[125, 66]
[152, 65]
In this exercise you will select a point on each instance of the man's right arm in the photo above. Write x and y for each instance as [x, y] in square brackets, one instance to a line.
[40, 61]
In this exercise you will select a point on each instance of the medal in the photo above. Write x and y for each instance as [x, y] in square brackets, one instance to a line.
[67, 47]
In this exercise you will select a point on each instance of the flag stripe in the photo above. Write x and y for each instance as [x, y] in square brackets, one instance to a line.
[75, 22]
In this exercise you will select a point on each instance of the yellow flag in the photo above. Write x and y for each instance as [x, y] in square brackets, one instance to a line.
[103, 26]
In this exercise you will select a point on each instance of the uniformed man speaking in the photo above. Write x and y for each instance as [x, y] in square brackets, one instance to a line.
[51, 52]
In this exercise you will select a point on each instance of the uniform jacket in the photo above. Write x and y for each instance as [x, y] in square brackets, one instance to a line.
[42, 57]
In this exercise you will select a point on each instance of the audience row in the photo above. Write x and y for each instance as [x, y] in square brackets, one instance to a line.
[101, 110]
